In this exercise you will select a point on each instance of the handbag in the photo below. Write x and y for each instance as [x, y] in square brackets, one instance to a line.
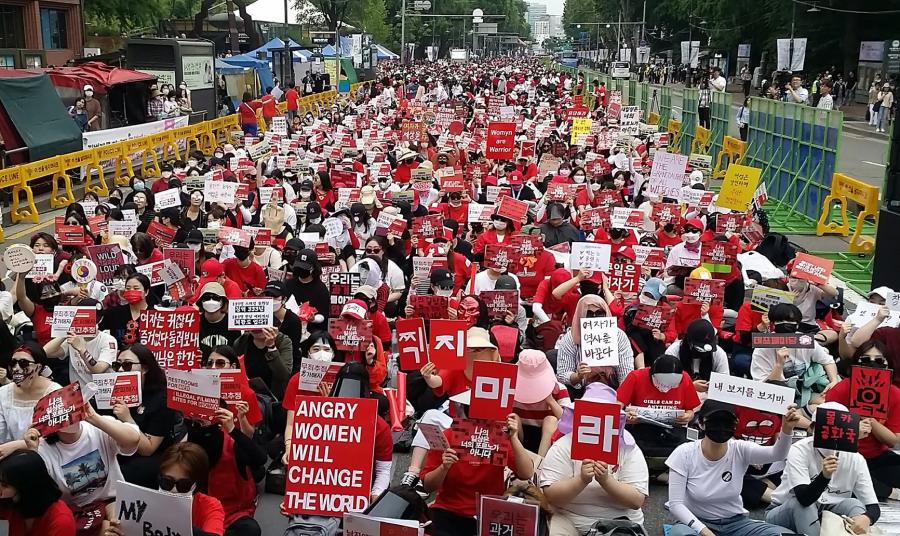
[834, 525]
[618, 527]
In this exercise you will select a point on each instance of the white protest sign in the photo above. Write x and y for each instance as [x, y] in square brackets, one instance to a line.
[142, 511]
[627, 218]
[866, 311]
[279, 125]
[667, 174]
[106, 384]
[750, 393]
[121, 228]
[600, 341]
[266, 193]
[249, 313]
[309, 239]
[220, 192]
[167, 198]
[63, 318]
[129, 214]
[892, 302]
[19, 258]
[171, 273]
[43, 266]
[311, 373]
[660, 415]
[333, 227]
[90, 207]
[590, 255]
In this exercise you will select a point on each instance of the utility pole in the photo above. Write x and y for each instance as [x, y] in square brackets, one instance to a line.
[232, 28]
[403, 32]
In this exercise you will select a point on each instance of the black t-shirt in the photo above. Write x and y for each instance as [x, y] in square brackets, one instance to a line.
[154, 417]
[315, 292]
[290, 326]
[118, 321]
[256, 365]
[214, 334]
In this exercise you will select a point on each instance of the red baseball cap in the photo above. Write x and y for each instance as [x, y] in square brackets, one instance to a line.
[211, 268]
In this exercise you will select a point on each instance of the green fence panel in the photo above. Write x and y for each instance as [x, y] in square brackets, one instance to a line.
[632, 92]
[719, 121]
[690, 99]
[797, 148]
[644, 101]
[659, 100]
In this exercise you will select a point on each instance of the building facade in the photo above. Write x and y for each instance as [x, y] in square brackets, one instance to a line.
[36, 33]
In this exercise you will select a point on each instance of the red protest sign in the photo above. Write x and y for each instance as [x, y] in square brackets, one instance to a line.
[613, 110]
[596, 431]
[59, 409]
[870, 391]
[732, 223]
[70, 235]
[430, 306]
[512, 208]
[718, 257]
[108, 258]
[653, 317]
[331, 456]
[234, 388]
[126, 390]
[411, 343]
[624, 277]
[173, 336]
[195, 395]
[185, 258]
[666, 213]
[479, 442]
[447, 344]
[427, 226]
[262, 236]
[650, 257]
[162, 235]
[350, 335]
[500, 302]
[526, 150]
[493, 389]
[453, 182]
[594, 219]
[501, 141]
[497, 256]
[85, 322]
[498, 516]
[811, 268]
[698, 291]
[560, 192]
[234, 237]
[608, 198]
[413, 131]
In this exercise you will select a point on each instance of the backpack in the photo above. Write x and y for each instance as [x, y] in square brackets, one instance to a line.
[313, 526]
[616, 527]
[777, 248]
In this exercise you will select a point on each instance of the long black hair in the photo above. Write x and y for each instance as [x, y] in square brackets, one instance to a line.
[154, 377]
[699, 333]
[25, 471]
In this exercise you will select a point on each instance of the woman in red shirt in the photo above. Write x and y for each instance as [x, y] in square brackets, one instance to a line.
[247, 110]
[31, 501]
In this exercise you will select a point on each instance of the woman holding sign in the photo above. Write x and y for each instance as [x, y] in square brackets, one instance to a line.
[123, 321]
[30, 500]
[17, 398]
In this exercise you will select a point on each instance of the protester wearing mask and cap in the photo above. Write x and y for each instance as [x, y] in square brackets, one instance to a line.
[877, 436]
[806, 296]
[500, 233]
[86, 355]
[650, 343]
[249, 276]
[306, 286]
[28, 384]
[700, 353]
[559, 229]
[213, 305]
[706, 476]
[162, 183]
[211, 271]
[818, 479]
[586, 491]
[93, 109]
[363, 224]
[687, 253]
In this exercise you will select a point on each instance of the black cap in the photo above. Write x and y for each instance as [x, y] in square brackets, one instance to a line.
[194, 237]
[442, 278]
[306, 260]
[213, 162]
[306, 185]
[505, 282]
[166, 167]
[711, 407]
[357, 209]
[295, 243]
[276, 289]
[313, 210]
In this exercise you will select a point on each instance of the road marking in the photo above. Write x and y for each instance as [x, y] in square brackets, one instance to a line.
[873, 163]
[30, 230]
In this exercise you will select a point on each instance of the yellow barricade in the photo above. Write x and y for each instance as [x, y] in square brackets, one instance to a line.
[701, 140]
[844, 188]
[732, 151]
[68, 162]
[653, 118]
[122, 170]
[674, 130]
[30, 172]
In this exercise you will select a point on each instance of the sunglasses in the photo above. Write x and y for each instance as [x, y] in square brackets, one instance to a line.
[873, 360]
[22, 363]
[373, 250]
[182, 485]
[123, 366]
[218, 364]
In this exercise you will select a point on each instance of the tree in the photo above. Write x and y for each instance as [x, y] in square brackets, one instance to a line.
[334, 12]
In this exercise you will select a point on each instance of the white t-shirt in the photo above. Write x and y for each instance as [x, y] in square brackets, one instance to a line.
[804, 463]
[16, 415]
[714, 487]
[87, 470]
[681, 256]
[719, 364]
[103, 348]
[593, 502]
[484, 282]
[718, 84]
[795, 365]
[395, 280]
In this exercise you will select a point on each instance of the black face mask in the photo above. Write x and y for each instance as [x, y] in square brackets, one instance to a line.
[720, 430]
[787, 327]
[595, 314]
[301, 273]
[617, 234]
[669, 227]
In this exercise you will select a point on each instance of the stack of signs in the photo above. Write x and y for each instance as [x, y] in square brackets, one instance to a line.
[342, 286]
[173, 336]
[350, 335]
[699, 291]
[836, 430]
[667, 174]
[500, 302]
[763, 298]
[768, 397]
[59, 409]
[251, 314]
[719, 257]
[498, 516]
[480, 442]
[331, 456]
[653, 317]
[600, 341]
[147, 511]
[194, 395]
[810, 268]
[870, 391]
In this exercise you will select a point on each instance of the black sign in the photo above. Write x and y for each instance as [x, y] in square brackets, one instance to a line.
[836, 430]
[783, 340]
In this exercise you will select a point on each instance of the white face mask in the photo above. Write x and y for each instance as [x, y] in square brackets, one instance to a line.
[690, 238]
[166, 174]
[192, 163]
[647, 300]
[666, 381]
[500, 225]
[595, 186]
[443, 292]
[212, 306]
[578, 178]
[305, 194]
[384, 185]
[565, 172]
[322, 355]
[213, 224]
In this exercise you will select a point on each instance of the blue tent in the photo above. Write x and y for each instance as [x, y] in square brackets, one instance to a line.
[346, 49]
[224, 68]
[276, 44]
[385, 54]
[261, 67]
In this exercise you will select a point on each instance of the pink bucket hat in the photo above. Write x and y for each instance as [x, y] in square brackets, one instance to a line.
[535, 379]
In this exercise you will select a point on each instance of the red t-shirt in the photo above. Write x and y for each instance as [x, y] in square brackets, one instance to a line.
[638, 390]
[664, 241]
[545, 264]
[465, 482]
[292, 98]
[159, 185]
[869, 446]
[247, 111]
[269, 106]
[207, 514]
[57, 520]
[246, 278]
[747, 319]
[41, 319]
[455, 382]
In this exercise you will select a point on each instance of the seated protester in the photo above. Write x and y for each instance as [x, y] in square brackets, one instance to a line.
[662, 393]
[233, 459]
[877, 436]
[95, 443]
[269, 356]
[499, 233]
[145, 249]
[701, 498]
[211, 271]
[700, 354]
[170, 218]
[685, 256]
[667, 235]
[559, 229]
[649, 343]
[538, 400]
[685, 313]
[30, 501]
[214, 318]
[584, 492]
[224, 358]
[289, 323]
[547, 306]
[795, 363]
[241, 269]
[821, 479]
[153, 417]
[516, 317]
[380, 327]
[760, 481]
[123, 321]
[487, 279]
[807, 295]
[306, 285]
[750, 322]
[571, 370]
[543, 266]
[459, 484]
[18, 397]
[86, 355]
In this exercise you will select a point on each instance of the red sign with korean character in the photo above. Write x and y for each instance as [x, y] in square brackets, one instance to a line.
[479, 442]
[731, 223]
[497, 257]
[58, 409]
[559, 191]
[525, 250]
[430, 306]
[447, 344]
[501, 141]
[624, 277]
[719, 257]
[73, 235]
[698, 291]
[870, 391]
[350, 335]
[653, 317]
[593, 219]
[500, 302]
[836, 430]
[666, 213]
[173, 336]
[162, 235]
[413, 131]
[512, 208]
[811, 268]
[427, 226]
[596, 431]
[412, 343]
[493, 390]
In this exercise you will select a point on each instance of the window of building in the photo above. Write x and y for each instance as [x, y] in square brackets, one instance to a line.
[12, 28]
[7, 62]
[53, 28]
[33, 61]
